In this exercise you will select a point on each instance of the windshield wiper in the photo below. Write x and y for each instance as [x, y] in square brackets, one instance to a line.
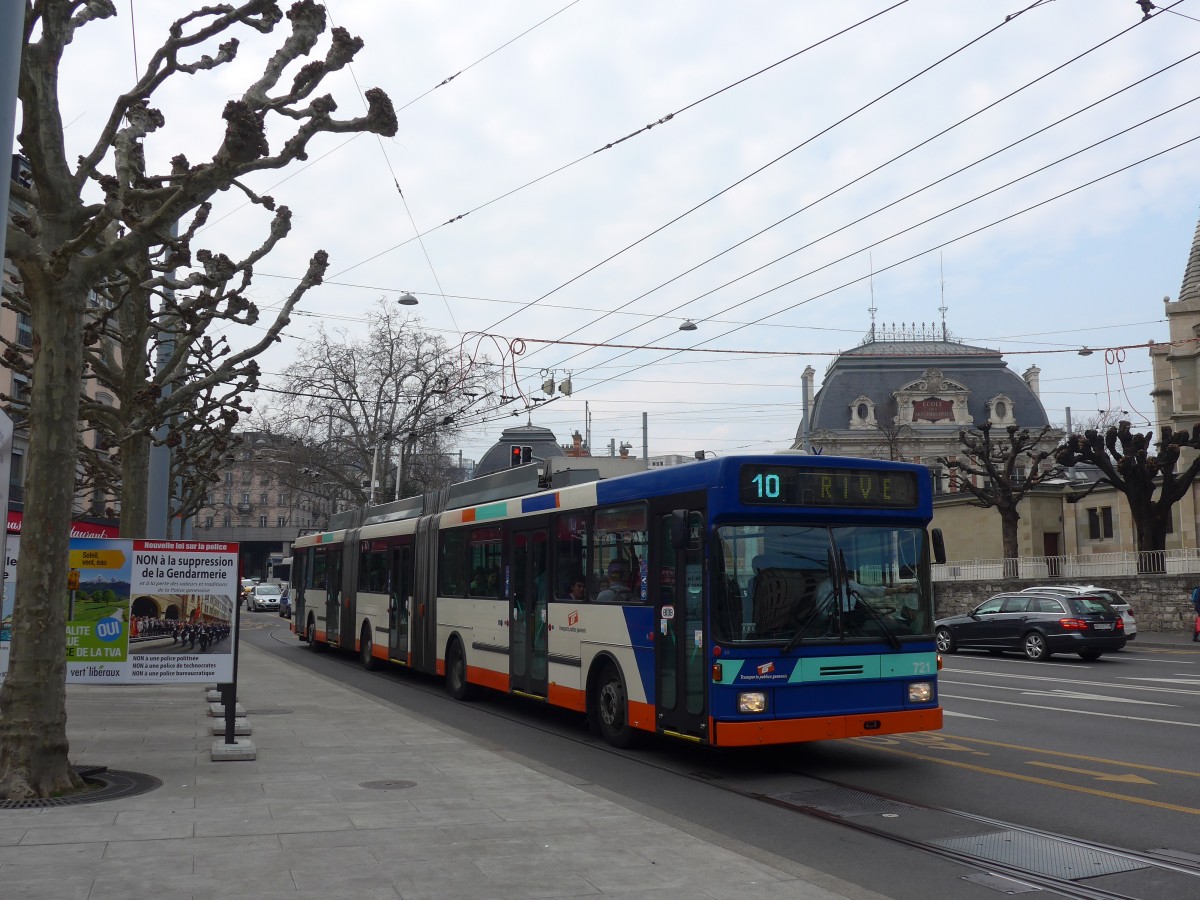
[893, 641]
[802, 632]
[821, 606]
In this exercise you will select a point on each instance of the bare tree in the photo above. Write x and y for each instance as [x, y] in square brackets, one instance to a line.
[1006, 471]
[103, 217]
[1125, 462]
[385, 406]
[896, 439]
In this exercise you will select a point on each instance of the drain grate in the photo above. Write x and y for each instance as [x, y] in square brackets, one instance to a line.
[1044, 855]
[393, 785]
[103, 784]
[842, 802]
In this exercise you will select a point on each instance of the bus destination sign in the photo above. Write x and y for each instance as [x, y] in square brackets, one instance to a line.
[804, 486]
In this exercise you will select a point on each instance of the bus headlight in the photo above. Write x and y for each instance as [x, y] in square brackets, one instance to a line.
[752, 702]
[920, 692]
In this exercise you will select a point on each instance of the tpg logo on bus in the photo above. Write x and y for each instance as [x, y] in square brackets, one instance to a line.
[766, 668]
[573, 617]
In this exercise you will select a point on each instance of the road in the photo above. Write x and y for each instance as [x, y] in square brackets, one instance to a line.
[1100, 752]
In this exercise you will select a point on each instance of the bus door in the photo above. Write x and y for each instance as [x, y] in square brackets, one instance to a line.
[333, 593]
[529, 594]
[348, 631]
[682, 660]
[400, 602]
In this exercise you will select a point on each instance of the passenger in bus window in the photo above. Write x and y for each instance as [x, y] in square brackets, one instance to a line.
[619, 588]
[577, 590]
[479, 583]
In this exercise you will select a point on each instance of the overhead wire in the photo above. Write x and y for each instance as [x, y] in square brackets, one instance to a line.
[895, 202]
[754, 173]
[664, 119]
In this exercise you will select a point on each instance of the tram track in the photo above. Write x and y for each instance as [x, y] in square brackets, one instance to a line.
[1009, 858]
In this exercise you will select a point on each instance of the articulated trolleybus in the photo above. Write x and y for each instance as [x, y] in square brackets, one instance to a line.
[738, 601]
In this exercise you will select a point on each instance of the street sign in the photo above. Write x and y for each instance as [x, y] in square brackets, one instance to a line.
[97, 559]
[73, 580]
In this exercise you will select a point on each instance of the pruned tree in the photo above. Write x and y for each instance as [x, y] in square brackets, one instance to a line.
[385, 406]
[1150, 482]
[104, 221]
[1006, 470]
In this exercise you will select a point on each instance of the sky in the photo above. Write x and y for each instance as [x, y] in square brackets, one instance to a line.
[810, 164]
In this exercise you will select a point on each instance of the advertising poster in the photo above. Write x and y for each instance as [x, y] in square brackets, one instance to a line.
[151, 611]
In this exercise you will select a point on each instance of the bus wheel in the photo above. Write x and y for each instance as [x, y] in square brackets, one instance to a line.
[456, 673]
[366, 649]
[311, 635]
[612, 708]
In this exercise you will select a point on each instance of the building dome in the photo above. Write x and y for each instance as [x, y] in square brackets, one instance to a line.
[542, 441]
[906, 392]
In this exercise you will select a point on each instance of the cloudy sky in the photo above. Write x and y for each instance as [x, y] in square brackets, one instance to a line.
[809, 144]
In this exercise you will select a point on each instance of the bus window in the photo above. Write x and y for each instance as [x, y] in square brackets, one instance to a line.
[317, 573]
[452, 567]
[485, 563]
[570, 552]
[619, 562]
[373, 567]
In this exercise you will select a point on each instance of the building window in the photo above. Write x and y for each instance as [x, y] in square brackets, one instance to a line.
[228, 498]
[20, 390]
[24, 330]
[1100, 522]
[281, 522]
[229, 478]
[284, 499]
[225, 520]
[262, 521]
[264, 478]
[262, 498]
[208, 521]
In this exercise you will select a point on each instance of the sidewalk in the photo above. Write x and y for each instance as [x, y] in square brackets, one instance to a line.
[297, 823]
[1161, 640]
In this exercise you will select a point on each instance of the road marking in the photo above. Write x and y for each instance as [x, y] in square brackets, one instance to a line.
[1063, 694]
[1132, 687]
[960, 715]
[1189, 680]
[1079, 695]
[1079, 789]
[923, 737]
[1078, 712]
[1099, 776]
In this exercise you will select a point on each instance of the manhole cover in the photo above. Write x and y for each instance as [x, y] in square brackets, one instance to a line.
[387, 785]
[268, 712]
[103, 784]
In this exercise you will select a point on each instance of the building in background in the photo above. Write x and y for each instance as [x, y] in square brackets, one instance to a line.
[906, 392]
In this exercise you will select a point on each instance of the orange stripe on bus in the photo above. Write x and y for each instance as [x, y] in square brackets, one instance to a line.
[641, 715]
[568, 697]
[790, 731]
[488, 678]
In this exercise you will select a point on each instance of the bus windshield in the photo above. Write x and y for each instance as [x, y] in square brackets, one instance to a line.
[793, 583]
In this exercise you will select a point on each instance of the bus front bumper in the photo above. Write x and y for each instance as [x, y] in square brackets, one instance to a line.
[823, 728]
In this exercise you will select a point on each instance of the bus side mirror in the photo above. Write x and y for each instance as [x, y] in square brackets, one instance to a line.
[939, 547]
[679, 531]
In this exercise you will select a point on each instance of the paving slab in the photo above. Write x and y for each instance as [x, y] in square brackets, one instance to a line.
[295, 821]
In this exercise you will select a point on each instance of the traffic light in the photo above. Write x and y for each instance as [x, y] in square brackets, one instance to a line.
[519, 455]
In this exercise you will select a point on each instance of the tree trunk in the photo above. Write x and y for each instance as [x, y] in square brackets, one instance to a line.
[1151, 541]
[135, 468]
[33, 714]
[1009, 518]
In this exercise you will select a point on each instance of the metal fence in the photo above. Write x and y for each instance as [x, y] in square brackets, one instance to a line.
[1072, 568]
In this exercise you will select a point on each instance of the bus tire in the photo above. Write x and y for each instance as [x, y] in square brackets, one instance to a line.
[366, 649]
[611, 704]
[310, 632]
[457, 685]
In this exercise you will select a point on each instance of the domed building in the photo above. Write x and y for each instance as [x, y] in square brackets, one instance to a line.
[906, 392]
[541, 442]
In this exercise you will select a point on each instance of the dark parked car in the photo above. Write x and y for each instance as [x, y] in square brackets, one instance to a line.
[1038, 624]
